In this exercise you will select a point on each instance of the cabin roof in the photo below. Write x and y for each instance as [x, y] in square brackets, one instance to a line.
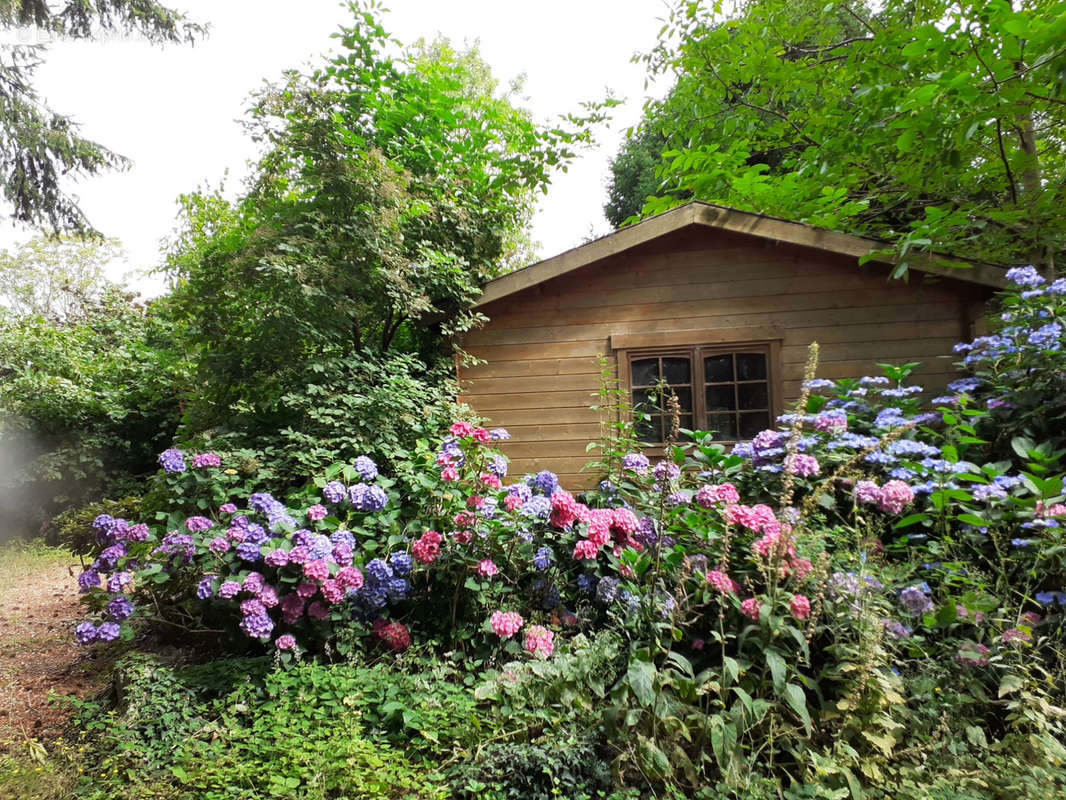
[708, 215]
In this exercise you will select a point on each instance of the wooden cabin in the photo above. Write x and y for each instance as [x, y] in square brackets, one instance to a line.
[718, 303]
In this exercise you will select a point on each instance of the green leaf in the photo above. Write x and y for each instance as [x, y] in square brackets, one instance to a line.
[1010, 684]
[641, 679]
[652, 759]
[777, 668]
[797, 701]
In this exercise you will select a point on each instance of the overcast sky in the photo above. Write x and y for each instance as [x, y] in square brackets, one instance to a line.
[174, 110]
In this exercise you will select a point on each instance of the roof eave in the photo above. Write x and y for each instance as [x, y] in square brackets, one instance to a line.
[727, 219]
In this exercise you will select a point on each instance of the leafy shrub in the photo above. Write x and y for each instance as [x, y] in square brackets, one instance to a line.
[560, 766]
[74, 528]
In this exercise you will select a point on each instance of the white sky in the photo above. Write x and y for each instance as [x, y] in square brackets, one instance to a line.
[174, 110]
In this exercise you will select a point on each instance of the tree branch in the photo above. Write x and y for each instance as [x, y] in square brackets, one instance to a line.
[1006, 164]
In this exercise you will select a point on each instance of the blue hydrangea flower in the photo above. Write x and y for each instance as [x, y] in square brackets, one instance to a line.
[1025, 276]
[539, 507]
[401, 563]
[397, 589]
[343, 537]
[378, 571]
[1046, 336]
[321, 546]
[108, 632]
[964, 385]
[542, 559]
[586, 584]
[248, 551]
[547, 482]
[607, 591]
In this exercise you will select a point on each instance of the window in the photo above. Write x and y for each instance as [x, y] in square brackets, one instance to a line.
[725, 388]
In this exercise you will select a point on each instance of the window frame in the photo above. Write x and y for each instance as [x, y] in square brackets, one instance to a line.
[697, 348]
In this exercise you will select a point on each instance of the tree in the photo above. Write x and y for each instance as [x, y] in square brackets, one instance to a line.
[936, 126]
[634, 174]
[39, 147]
[59, 280]
[392, 186]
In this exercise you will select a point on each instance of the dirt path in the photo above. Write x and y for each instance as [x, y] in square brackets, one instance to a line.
[38, 656]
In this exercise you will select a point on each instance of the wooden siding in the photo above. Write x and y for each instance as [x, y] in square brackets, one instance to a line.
[541, 347]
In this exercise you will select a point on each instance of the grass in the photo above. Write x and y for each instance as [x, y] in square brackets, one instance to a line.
[21, 557]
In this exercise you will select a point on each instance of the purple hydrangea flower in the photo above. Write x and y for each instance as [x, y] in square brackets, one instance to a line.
[521, 491]
[347, 538]
[206, 588]
[120, 608]
[199, 524]
[277, 558]
[896, 629]
[547, 482]
[636, 462]
[666, 470]
[378, 571]
[85, 633]
[499, 435]
[334, 492]
[915, 600]
[118, 582]
[201, 460]
[539, 507]
[257, 626]
[172, 460]
[365, 466]
[498, 466]
[248, 551]
[108, 632]
[88, 580]
[229, 589]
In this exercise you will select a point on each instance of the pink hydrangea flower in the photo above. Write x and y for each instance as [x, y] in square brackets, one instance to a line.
[540, 642]
[511, 502]
[867, 492]
[317, 512]
[462, 537]
[722, 582]
[285, 642]
[395, 636]
[491, 481]
[219, 545]
[427, 547]
[751, 608]
[973, 654]
[268, 597]
[624, 522]
[292, 608]
[486, 568]
[307, 590]
[350, 578]
[317, 570]
[227, 508]
[449, 474]
[802, 465]
[801, 568]
[481, 436]
[506, 623]
[464, 519]
[333, 591]
[318, 610]
[565, 509]
[277, 558]
[1057, 510]
[800, 606]
[894, 497]
[462, 429]
[754, 518]
[585, 549]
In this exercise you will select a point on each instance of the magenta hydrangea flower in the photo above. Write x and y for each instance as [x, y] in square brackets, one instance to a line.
[722, 582]
[800, 606]
[802, 465]
[227, 508]
[201, 460]
[199, 524]
[867, 492]
[219, 544]
[317, 512]
[285, 642]
[229, 589]
[277, 558]
[487, 568]
[751, 608]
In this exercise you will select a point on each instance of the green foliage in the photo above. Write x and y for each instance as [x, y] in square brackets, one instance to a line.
[74, 528]
[931, 126]
[84, 405]
[560, 766]
[634, 175]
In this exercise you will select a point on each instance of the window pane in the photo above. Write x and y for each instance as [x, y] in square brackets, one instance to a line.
[651, 431]
[720, 398]
[718, 369]
[686, 424]
[753, 395]
[684, 398]
[751, 424]
[644, 429]
[646, 400]
[645, 372]
[723, 425]
[751, 366]
[677, 370]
